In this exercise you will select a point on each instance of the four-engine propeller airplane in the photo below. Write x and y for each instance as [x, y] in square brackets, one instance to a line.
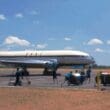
[51, 59]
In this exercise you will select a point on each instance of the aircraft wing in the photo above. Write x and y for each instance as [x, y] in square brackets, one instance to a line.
[30, 63]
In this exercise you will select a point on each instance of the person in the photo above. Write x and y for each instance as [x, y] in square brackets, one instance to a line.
[83, 72]
[88, 74]
[98, 80]
[67, 78]
[54, 76]
[82, 76]
[18, 74]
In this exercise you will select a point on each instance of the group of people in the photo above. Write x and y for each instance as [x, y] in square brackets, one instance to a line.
[21, 73]
[78, 77]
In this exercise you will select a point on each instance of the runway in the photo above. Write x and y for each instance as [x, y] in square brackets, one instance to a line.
[7, 79]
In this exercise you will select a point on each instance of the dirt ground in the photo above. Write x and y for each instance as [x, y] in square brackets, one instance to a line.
[53, 99]
[35, 98]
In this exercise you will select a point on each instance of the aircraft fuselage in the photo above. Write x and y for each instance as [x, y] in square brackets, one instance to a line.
[63, 57]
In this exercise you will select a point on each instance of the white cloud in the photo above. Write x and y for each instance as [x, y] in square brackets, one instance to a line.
[2, 17]
[108, 42]
[99, 50]
[95, 41]
[19, 15]
[67, 38]
[41, 46]
[10, 40]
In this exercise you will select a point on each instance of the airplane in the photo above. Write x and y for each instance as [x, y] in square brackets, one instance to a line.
[50, 59]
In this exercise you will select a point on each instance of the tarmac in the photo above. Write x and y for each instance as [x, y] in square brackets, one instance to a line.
[39, 80]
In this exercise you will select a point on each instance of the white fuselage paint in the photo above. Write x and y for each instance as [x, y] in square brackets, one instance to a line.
[64, 57]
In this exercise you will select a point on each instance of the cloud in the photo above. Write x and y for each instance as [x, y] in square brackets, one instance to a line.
[99, 50]
[108, 42]
[19, 15]
[2, 17]
[95, 41]
[41, 46]
[67, 38]
[13, 40]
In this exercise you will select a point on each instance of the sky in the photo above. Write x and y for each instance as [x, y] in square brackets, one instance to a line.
[57, 25]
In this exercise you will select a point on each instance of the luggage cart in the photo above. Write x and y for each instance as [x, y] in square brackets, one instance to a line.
[75, 79]
[12, 79]
[105, 78]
